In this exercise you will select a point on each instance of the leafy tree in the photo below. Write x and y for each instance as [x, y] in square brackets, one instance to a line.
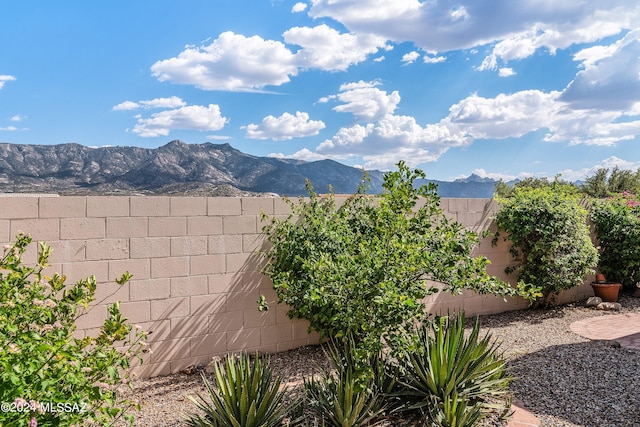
[550, 238]
[604, 184]
[361, 269]
[504, 190]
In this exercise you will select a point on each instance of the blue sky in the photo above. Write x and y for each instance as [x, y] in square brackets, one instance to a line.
[499, 88]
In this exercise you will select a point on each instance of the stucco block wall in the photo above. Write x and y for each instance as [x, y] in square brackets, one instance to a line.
[196, 274]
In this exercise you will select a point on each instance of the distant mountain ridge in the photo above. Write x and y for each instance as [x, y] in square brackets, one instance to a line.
[180, 168]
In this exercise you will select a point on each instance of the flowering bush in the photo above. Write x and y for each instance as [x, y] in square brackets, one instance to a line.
[617, 222]
[550, 238]
[49, 377]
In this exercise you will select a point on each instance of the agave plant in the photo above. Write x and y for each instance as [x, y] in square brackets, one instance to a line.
[349, 398]
[454, 411]
[246, 395]
[452, 379]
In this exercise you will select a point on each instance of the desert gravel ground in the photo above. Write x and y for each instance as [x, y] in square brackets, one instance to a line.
[564, 379]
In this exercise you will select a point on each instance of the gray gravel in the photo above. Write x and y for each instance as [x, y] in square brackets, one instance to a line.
[564, 379]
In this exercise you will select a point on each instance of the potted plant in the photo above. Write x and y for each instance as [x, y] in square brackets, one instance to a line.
[608, 291]
[617, 226]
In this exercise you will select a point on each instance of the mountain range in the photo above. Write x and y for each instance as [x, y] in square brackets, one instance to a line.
[187, 169]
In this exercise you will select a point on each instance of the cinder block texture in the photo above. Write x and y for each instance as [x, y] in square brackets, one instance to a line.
[196, 271]
[19, 207]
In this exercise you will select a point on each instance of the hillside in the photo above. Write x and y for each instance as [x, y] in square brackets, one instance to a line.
[180, 168]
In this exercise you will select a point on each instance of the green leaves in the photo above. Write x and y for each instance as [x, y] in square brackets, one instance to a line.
[617, 223]
[451, 378]
[41, 360]
[361, 266]
[348, 398]
[550, 238]
[246, 395]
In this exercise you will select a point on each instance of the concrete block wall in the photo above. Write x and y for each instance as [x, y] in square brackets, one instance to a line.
[196, 274]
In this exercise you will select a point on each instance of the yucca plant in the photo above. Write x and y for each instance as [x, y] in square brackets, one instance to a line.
[454, 411]
[451, 379]
[348, 398]
[246, 395]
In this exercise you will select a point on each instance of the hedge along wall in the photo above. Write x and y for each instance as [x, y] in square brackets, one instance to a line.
[196, 275]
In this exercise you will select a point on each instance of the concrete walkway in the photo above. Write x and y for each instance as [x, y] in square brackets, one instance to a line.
[622, 328]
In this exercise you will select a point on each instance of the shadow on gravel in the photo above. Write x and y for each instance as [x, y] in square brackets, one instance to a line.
[538, 316]
[529, 316]
[588, 384]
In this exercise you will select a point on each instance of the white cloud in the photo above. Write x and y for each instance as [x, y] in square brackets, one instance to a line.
[218, 137]
[515, 115]
[231, 62]
[234, 62]
[299, 7]
[285, 127]
[328, 49]
[365, 101]
[433, 59]
[5, 78]
[379, 59]
[409, 58]
[17, 118]
[382, 138]
[304, 154]
[610, 78]
[192, 117]
[504, 116]
[172, 102]
[518, 29]
[9, 128]
[608, 163]
[506, 72]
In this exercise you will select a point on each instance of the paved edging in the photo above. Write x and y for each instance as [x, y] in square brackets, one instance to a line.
[522, 417]
[622, 328]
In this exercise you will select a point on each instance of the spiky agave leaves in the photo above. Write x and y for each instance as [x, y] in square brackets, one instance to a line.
[350, 398]
[452, 379]
[246, 395]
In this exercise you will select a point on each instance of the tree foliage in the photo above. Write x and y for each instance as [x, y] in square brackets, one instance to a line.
[550, 238]
[362, 268]
[617, 221]
[42, 361]
[502, 189]
[604, 184]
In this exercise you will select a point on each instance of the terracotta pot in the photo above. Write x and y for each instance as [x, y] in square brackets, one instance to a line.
[607, 291]
[600, 278]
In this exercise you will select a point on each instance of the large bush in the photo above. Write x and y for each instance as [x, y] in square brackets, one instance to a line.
[49, 377]
[617, 221]
[361, 269]
[550, 238]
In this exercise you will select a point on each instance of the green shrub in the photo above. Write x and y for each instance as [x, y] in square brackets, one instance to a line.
[246, 395]
[550, 238]
[453, 380]
[362, 268]
[344, 399]
[617, 223]
[76, 379]
[605, 184]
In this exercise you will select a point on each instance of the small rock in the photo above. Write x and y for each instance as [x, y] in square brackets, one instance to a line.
[593, 301]
[609, 306]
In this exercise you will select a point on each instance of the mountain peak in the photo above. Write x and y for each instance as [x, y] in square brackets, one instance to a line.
[475, 178]
[188, 168]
